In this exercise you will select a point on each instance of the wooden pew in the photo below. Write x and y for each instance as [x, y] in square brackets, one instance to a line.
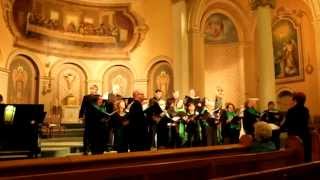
[194, 163]
[301, 171]
[315, 138]
[44, 165]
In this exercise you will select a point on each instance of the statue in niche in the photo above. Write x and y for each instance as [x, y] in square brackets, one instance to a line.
[70, 99]
[71, 27]
[218, 104]
[120, 83]
[163, 81]
[19, 78]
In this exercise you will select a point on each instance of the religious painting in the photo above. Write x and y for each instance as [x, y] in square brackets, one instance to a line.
[220, 29]
[118, 78]
[69, 85]
[287, 51]
[23, 81]
[160, 77]
[77, 29]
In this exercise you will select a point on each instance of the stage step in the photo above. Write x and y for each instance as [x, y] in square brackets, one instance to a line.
[61, 146]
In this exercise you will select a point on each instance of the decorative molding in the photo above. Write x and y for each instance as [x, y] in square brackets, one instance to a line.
[283, 11]
[315, 8]
[262, 3]
[4, 70]
[70, 28]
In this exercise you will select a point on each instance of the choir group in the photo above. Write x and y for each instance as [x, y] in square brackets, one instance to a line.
[136, 124]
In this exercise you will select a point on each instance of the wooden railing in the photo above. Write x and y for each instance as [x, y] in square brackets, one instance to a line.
[301, 171]
[184, 163]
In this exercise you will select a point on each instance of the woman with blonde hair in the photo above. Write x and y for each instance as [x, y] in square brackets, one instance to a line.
[120, 126]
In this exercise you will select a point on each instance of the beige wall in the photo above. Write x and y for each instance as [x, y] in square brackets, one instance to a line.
[245, 20]
[156, 46]
[222, 69]
[310, 83]
[160, 44]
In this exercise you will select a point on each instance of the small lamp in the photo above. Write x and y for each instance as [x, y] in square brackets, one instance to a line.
[9, 113]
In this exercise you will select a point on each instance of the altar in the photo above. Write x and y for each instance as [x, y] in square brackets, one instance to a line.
[70, 114]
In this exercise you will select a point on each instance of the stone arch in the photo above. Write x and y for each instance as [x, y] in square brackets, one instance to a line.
[107, 66]
[199, 12]
[79, 64]
[202, 9]
[156, 60]
[35, 59]
[160, 76]
[203, 66]
[23, 80]
[69, 82]
[118, 75]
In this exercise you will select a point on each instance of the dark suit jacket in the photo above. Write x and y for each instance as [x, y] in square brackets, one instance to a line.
[87, 101]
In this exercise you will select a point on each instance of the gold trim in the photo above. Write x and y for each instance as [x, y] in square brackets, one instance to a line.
[4, 70]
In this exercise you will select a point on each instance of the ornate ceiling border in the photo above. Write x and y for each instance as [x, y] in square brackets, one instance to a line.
[139, 32]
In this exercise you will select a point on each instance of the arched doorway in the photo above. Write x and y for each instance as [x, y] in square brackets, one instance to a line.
[222, 58]
[23, 81]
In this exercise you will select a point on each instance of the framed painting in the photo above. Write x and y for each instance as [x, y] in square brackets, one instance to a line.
[287, 51]
[220, 29]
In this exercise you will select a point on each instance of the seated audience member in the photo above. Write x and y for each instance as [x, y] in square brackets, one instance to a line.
[262, 138]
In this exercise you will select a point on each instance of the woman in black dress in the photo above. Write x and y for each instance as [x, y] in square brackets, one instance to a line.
[120, 126]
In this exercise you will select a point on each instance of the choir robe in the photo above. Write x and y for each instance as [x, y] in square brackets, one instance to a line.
[137, 127]
[98, 128]
[249, 119]
[194, 130]
[153, 118]
[87, 101]
[120, 124]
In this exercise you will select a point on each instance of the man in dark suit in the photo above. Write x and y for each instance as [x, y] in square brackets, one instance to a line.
[137, 123]
[87, 101]
[297, 123]
[251, 116]
[1, 99]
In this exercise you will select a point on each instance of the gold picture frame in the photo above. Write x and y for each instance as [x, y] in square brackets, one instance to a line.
[287, 51]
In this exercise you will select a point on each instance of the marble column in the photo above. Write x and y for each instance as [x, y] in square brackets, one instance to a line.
[317, 40]
[180, 39]
[4, 76]
[265, 73]
[197, 70]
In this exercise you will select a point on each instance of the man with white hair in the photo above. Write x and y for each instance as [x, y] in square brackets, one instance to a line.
[262, 138]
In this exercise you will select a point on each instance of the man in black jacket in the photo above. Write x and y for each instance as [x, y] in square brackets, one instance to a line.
[297, 122]
[87, 101]
[137, 123]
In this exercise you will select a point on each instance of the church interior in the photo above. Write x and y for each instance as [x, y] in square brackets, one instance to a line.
[53, 51]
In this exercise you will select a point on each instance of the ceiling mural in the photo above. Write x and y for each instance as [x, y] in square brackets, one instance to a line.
[74, 28]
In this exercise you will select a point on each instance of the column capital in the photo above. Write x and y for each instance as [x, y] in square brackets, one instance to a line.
[261, 3]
